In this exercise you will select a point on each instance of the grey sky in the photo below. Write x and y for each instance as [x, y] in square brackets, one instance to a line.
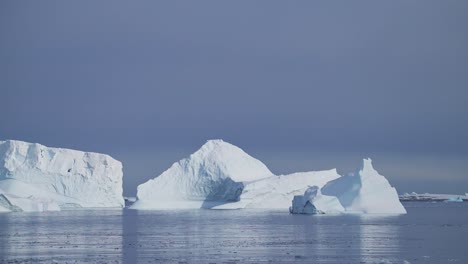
[301, 85]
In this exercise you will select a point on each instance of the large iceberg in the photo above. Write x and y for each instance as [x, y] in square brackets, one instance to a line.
[38, 178]
[222, 176]
[213, 175]
[365, 191]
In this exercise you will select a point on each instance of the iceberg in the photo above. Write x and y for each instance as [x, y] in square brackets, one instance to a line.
[314, 202]
[34, 177]
[365, 191]
[454, 200]
[222, 176]
[214, 174]
[431, 197]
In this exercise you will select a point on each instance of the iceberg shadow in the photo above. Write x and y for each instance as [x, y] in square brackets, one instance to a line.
[228, 192]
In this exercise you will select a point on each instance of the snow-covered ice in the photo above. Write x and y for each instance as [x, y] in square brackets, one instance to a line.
[365, 191]
[222, 176]
[34, 177]
[276, 192]
[214, 174]
[314, 202]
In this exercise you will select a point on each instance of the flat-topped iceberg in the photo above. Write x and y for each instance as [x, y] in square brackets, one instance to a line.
[222, 176]
[34, 177]
[432, 197]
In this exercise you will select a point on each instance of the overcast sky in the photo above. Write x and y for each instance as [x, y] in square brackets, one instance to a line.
[301, 85]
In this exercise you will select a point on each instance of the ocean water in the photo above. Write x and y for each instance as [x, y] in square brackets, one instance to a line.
[429, 233]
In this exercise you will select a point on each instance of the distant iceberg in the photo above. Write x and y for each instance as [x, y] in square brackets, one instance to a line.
[365, 191]
[38, 178]
[454, 200]
[432, 197]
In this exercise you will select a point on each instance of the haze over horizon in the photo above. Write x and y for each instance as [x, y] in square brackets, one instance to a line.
[300, 86]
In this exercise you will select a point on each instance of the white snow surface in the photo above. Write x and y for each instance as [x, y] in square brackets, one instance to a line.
[276, 192]
[365, 191]
[314, 202]
[216, 173]
[222, 176]
[34, 177]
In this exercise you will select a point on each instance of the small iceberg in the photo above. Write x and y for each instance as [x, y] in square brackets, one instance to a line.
[362, 192]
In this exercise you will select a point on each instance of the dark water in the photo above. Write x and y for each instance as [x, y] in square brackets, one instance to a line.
[429, 233]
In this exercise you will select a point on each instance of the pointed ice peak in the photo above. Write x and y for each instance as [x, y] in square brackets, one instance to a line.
[218, 148]
[367, 170]
[218, 157]
[216, 143]
[366, 164]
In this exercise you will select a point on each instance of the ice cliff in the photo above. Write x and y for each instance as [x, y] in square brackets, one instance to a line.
[34, 177]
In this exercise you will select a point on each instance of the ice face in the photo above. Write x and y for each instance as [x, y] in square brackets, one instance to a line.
[276, 192]
[53, 177]
[314, 202]
[365, 191]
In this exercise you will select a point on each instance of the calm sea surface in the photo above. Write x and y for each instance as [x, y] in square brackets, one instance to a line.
[429, 233]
